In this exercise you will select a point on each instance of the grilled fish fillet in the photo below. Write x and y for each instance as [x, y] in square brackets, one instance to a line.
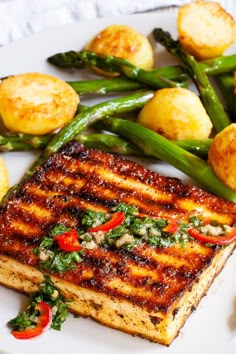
[148, 291]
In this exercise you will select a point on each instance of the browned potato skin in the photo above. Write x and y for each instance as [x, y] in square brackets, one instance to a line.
[4, 179]
[177, 114]
[35, 103]
[222, 156]
[205, 29]
[123, 42]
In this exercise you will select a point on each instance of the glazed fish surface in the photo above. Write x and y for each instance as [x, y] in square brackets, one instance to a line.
[145, 290]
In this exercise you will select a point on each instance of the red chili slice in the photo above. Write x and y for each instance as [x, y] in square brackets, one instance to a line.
[172, 226]
[44, 323]
[116, 219]
[216, 240]
[68, 241]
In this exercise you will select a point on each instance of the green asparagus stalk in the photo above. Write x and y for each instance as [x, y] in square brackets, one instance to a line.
[196, 147]
[171, 72]
[105, 142]
[22, 142]
[207, 93]
[109, 143]
[174, 72]
[115, 144]
[214, 66]
[92, 114]
[153, 144]
[103, 86]
[219, 65]
[121, 84]
[117, 84]
[225, 82]
[72, 59]
[112, 64]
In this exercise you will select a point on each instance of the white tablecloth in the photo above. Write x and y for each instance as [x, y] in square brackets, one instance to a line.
[21, 18]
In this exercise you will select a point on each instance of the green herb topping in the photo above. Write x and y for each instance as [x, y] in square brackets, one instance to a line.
[123, 228]
[46, 293]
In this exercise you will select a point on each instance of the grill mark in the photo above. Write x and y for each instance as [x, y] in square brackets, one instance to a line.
[155, 300]
[170, 207]
[173, 185]
[109, 191]
[120, 181]
[23, 252]
[71, 205]
[112, 191]
[127, 183]
[113, 273]
[176, 267]
[56, 206]
[177, 254]
[209, 213]
[16, 216]
[87, 169]
[118, 164]
[36, 210]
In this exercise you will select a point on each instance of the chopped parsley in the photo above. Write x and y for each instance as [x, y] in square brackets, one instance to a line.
[92, 218]
[51, 257]
[48, 293]
[133, 229]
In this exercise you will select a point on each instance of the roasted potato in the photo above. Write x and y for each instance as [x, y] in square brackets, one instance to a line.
[124, 42]
[4, 178]
[205, 29]
[35, 103]
[177, 114]
[222, 156]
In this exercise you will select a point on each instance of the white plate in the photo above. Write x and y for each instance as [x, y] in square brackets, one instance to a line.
[212, 328]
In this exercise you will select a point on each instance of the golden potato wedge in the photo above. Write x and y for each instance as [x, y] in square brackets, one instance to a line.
[4, 179]
[124, 42]
[177, 114]
[205, 29]
[35, 103]
[222, 156]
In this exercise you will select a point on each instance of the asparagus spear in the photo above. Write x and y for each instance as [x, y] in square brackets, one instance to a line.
[156, 145]
[103, 86]
[109, 143]
[219, 65]
[105, 142]
[119, 84]
[22, 142]
[72, 59]
[115, 144]
[208, 95]
[112, 64]
[214, 66]
[92, 114]
[225, 83]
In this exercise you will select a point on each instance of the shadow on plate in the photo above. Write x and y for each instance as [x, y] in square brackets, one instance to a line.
[232, 319]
